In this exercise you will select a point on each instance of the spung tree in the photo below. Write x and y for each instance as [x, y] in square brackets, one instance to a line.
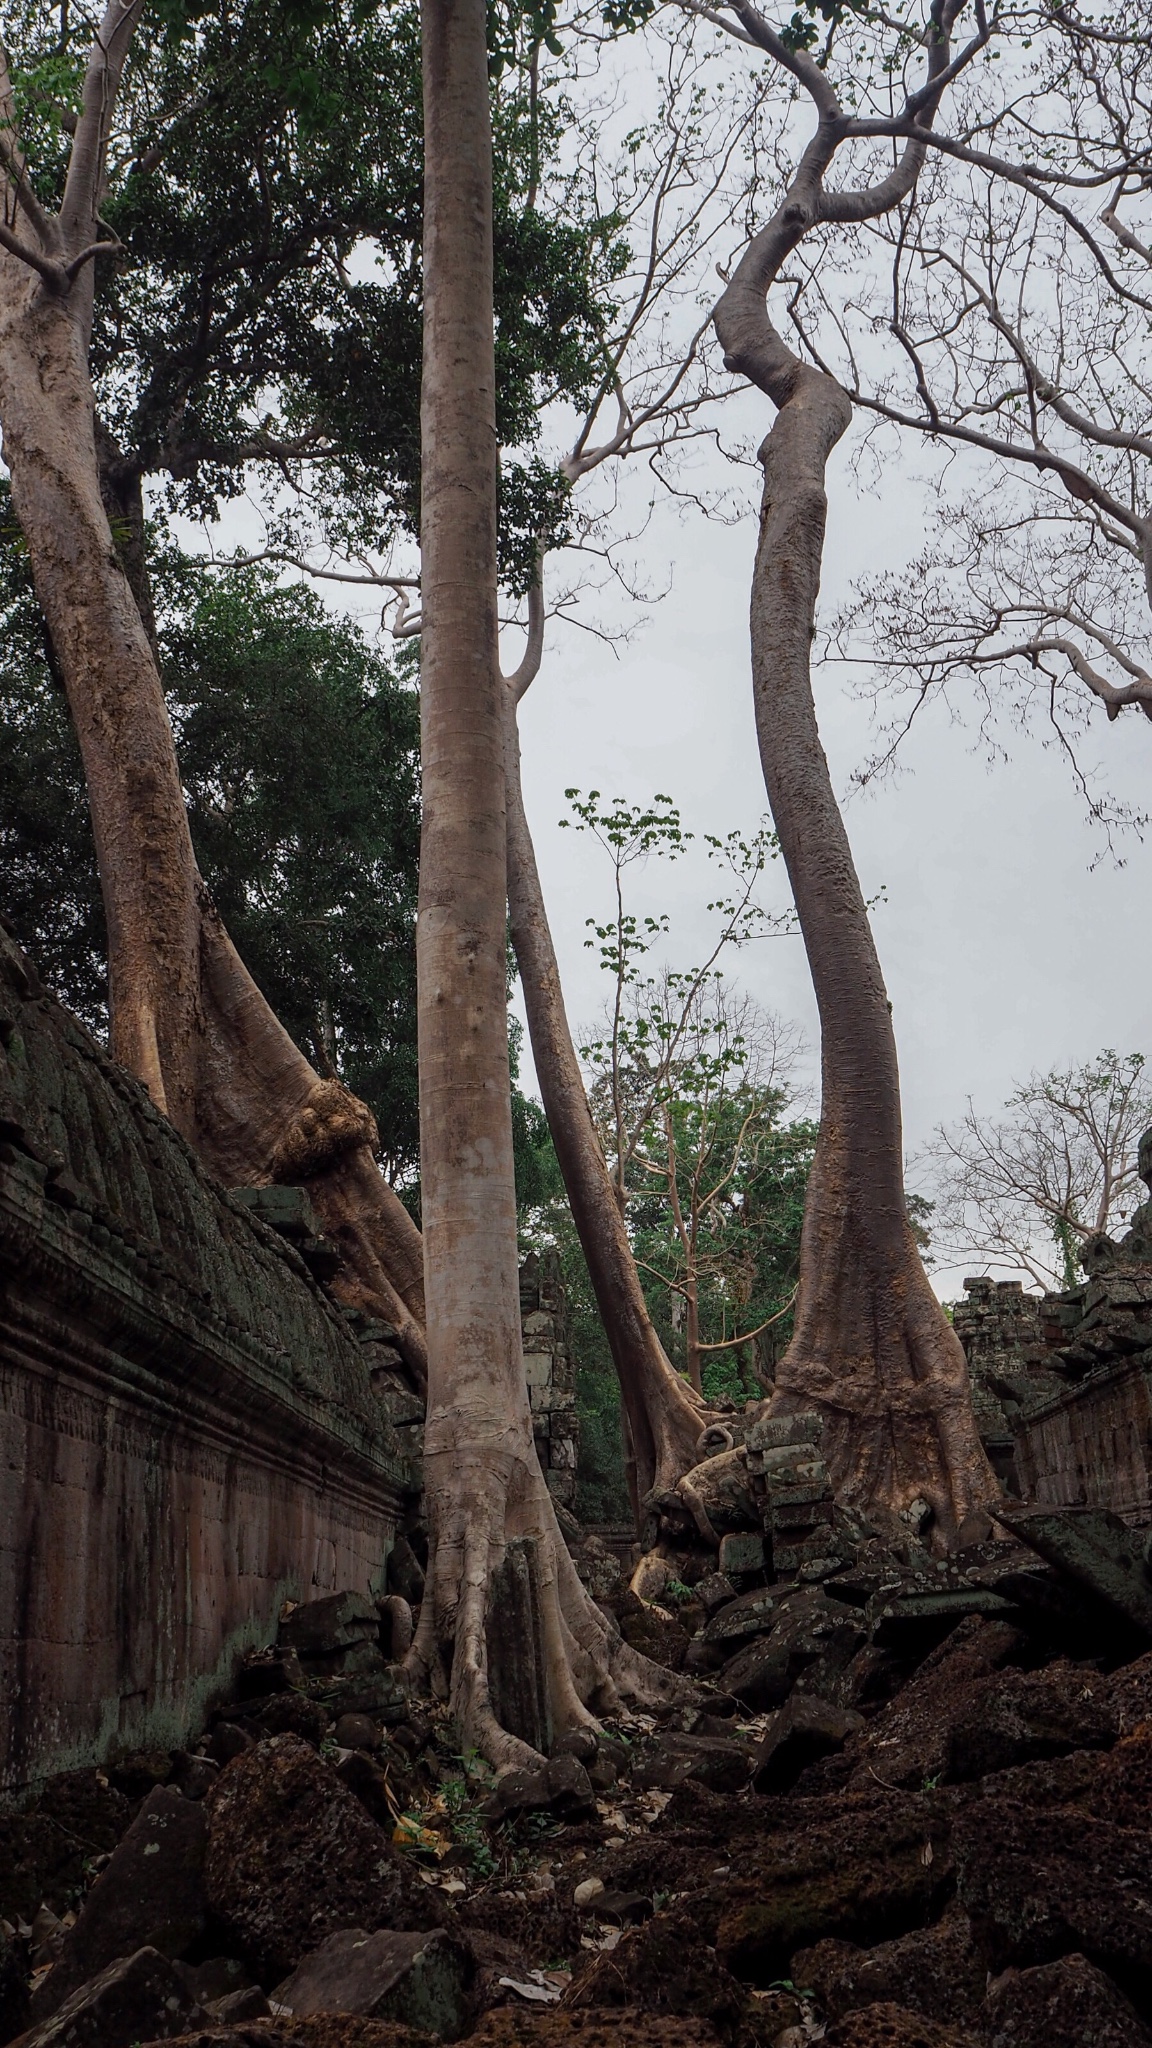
[669, 191]
[871, 1348]
[484, 1486]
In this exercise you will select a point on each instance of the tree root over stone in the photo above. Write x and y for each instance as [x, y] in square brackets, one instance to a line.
[480, 1500]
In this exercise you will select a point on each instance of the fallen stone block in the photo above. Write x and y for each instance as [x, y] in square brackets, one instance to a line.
[803, 1731]
[1120, 1789]
[213, 1980]
[150, 1895]
[14, 2009]
[901, 1620]
[719, 1762]
[264, 1672]
[581, 1743]
[509, 2027]
[371, 1785]
[291, 1713]
[1096, 1549]
[418, 1980]
[1018, 1717]
[194, 1776]
[381, 1692]
[1068, 2004]
[1039, 1883]
[760, 1676]
[139, 1998]
[139, 1774]
[561, 1786]
[537, 1923]
[519, 1791]
[736, 1620]
[320, 2030]
[321, 1628]
[229, 1739]
[934, 1971]
[714, 1592]
[893, 2026]
[624, 1909]
[249, 2003]
[662, 1967]
[292, 1857]
[907, 1743]
[654, 1634]
[861, 1873]
[356, 1731]
[741, 1556]
[77, 1816]
[812, 1641]
[570, 1794]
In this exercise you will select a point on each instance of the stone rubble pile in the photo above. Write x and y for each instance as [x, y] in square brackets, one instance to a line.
[906, 1802]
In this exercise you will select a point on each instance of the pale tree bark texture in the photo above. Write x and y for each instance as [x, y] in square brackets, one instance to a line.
[484, 1487]
[872, 1349]
[664, 1417]
[186, 1017]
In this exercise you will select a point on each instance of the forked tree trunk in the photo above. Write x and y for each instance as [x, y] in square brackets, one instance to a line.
[186, 1017]
[871, 1346]
[664, 1417]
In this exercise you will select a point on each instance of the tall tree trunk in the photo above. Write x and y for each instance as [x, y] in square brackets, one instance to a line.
[664, 1418]
[122, 496]
[871, 1346]
[692, 1332]
[187, 1018]
[484, 1486]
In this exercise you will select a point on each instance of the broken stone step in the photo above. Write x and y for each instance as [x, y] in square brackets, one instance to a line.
[414, 1980]
[150, 1895]
[321, 1627]
[893, 1620]
[803, 1731]
[139, 1998]
[749, 1614]
[1095, 1549]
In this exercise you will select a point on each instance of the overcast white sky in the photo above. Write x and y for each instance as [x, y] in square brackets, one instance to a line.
[1008, 943]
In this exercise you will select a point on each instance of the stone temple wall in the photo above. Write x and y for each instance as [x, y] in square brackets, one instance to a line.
[1062, 1388]
[188, 1428]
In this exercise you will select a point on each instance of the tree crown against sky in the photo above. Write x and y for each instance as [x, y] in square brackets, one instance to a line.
[996, 325]
[1024, 1189]
[262, 322]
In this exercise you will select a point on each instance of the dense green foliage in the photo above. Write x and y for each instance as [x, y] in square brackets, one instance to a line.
[263, 324]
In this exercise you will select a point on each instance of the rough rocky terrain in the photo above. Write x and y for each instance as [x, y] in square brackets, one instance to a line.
[906, 1803]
